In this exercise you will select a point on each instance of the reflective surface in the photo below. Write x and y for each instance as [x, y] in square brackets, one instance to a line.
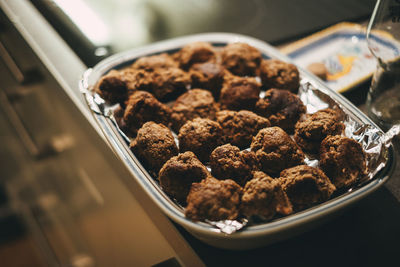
[105, 27]
[383, 102]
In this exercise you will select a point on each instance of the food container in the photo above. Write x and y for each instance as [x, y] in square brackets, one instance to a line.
[250, 236]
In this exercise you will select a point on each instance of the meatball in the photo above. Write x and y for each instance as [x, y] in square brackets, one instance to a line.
[153, 62]
[228, 162]
[196, 52]
[278, 74]
[343, 160]
[241, 59]
[115, 86]
[154, 145]
[142, 107]
[118, 114]
[179, 172]
[240, 93]
[276, 151]
[306, 186]
[281, 107]
[164, 84]
[239, 127]
[200, 136]
[213, 200]
[192, 104]
[310, 132]
[263, 196]
[208, 75]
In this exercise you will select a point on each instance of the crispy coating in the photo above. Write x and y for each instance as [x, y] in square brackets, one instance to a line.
[200, 136]
[164, 84]
[209, 76]
[310, 132]
[115, 86]
[281, 107]
[343, 160]
[275, 73]
[196, 52]
[263, 196]
[142, 107]
[241, 59]
[306, 186]
[213, 200]
[192, 104]
[275, 150]
[239, 93]
[179, 172]
[153, 62]
[240, 127]
[228, 162]
[154, 145]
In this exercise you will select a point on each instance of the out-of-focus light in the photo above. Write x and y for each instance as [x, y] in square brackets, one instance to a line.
[101, 51]
[86, 20]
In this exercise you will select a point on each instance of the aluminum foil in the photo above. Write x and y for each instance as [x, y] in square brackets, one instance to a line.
[374, 142]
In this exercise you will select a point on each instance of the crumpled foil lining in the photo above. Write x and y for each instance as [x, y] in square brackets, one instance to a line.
[374, 142]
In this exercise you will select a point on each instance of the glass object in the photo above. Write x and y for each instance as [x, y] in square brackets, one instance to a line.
[383, 100]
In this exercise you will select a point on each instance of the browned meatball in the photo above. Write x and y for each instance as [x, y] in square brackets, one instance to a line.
[114, 87]
[208, 75]
[213, 200]
[164, 84]
[228, 162]
[200, 136]
[278, 74]
[275, 150]
[240, 93]
[343, 160]
[142, 107]
[241, 59]
[192, 104]
[119, 118]
[196, 52]
[310, 132]
[281, 107]
[154, 145]
[179, 172]
[153, 62]
[240, 127]
[306, 186]
[263, 196]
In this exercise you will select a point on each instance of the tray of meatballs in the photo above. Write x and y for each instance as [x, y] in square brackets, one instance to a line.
[233, 141]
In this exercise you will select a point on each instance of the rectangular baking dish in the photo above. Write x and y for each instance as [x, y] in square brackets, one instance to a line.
[250, 236]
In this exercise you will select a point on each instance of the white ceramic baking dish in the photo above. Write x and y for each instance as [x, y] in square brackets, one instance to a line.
[249, 236]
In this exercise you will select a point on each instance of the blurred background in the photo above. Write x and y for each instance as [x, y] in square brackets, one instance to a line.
[97, 28]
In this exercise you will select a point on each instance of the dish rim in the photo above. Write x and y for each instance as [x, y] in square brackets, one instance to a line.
[118, 144]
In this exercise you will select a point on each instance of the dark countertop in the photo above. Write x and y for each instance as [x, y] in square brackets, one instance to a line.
[366, 234]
